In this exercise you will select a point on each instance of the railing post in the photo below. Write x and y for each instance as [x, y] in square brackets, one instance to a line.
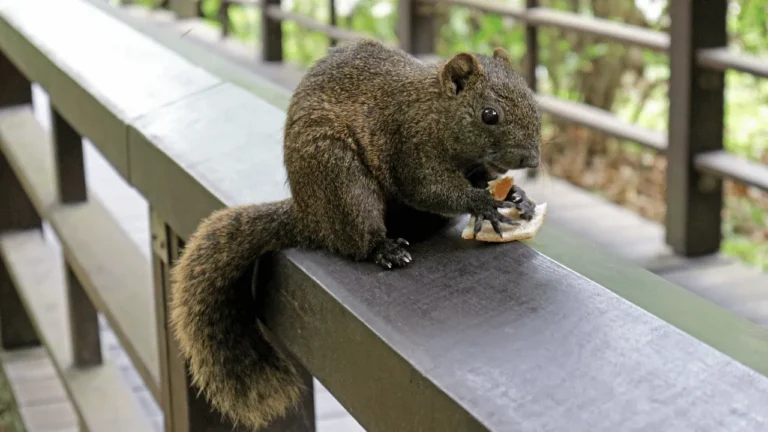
[694, 200]
[531, 48]
[532, 60]
[185, 410]
[271, 33]
[416, 27]
[16, 329]
[16, 89]
[70, 179]
[333, 20]
[223, 17]
[185, 8]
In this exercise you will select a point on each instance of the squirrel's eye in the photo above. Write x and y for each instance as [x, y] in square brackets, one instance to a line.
[490, 116]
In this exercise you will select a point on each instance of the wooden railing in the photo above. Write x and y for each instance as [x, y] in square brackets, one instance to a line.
[553, 334]
[693, 142]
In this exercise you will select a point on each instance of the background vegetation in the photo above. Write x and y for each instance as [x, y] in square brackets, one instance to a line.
[629, 81]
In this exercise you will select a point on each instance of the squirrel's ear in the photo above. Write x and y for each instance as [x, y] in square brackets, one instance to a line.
[503, 55]
[455, 72]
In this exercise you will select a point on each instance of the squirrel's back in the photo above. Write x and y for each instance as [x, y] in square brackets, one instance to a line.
[361, 72]
[355, 95]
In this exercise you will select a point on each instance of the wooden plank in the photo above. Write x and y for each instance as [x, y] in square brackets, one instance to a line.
[97, 83]
[112, 269]
[722, 59]
[101, 398]
[728, 165]
[44, 392]
[197, 50]
[602, 28]
[279, 15]
[56, 417]
[602, 120]
[116, 276]
[164, 156]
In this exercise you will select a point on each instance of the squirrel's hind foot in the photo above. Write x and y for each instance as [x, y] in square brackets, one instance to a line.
[391, 254]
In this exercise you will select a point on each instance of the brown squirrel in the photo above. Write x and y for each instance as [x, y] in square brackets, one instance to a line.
[368, 127]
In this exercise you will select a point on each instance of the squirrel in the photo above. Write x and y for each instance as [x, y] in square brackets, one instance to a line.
[367, 129]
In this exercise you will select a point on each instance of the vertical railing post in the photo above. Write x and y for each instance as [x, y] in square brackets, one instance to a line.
[223, 17]
[185, 8]
[185, 410]
[531, 60]
[416, 27]
[271, 33]
[531, 48]
[694, 200]
[16, 329]
[70, 175]
[333, 20]
[16, 89]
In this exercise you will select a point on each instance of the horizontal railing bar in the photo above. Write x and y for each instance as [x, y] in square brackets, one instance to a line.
[256, 3]
[603, 121]
[728, 165]
[503, 9]
[275, 12]
[101, 397]
[606, 29]
[722, 59]
[91, 239]
[602, 28]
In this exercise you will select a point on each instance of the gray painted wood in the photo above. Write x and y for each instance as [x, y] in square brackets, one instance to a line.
[100, 397]
[101, 97]
[94, 243]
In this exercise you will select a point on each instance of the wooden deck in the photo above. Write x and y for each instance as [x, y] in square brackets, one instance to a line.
[733, 285]
[40, 394]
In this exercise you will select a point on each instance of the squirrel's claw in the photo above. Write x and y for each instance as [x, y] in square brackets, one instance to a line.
[496, 219]
[521, 202]
[391, 253]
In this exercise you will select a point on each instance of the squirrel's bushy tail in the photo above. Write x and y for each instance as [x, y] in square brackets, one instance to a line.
[213, 317]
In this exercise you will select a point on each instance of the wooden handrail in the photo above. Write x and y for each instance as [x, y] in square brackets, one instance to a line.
[436, 338]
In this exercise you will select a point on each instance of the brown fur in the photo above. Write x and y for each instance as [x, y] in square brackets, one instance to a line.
[368, 129]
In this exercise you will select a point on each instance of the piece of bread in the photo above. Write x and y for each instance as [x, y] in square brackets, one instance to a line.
[526, 230]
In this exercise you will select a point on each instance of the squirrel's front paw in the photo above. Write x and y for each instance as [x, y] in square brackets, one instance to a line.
[391, 253]
[490, 213]
[522, 203]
